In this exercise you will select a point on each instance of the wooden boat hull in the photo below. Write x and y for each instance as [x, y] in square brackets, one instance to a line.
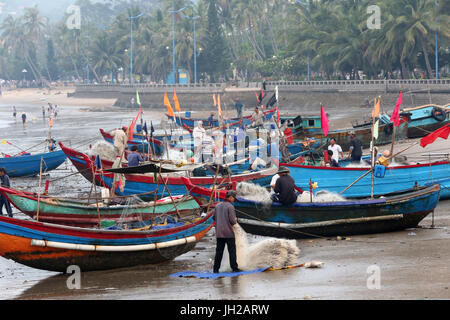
[421, 121]
[76, 214]
[305, 220]
[28, 166]
[141, 185]
[395, 179]
[55, 248]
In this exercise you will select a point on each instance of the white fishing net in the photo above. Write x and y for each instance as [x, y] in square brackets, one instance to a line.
[269, 252]
[103, 149]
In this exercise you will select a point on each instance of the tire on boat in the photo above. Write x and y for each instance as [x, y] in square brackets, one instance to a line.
[438, 114]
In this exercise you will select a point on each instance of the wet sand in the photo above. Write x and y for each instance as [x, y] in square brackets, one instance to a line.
[414, 263]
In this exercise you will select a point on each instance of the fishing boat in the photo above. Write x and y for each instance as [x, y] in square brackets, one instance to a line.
[30, 165]
[144, 185]
[156, 146]
[187, 122]
[55, 247]
[392, 179]
[425, 119]
[391, 212]
[363, 133]
[81, 214]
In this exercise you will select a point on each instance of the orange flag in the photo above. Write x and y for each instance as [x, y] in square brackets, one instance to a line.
[176, 102]
[376, 109]
[167, 104]
[215, 101]
[218, 105]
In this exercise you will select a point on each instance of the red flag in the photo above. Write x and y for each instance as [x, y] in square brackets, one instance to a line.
[443, 133]
[133, 124]
[324, 120]
[395, 117]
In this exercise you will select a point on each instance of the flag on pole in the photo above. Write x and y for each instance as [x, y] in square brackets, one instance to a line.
[138, 99]
[276, 93]
[215, 100]
[50, 122]
[442, 132]
[144, 128]
[395, 114]
[376, 109]
[169, 107]
[376, 127]
[175, 101]
[218, 105]
[324, 121]
[133, 124]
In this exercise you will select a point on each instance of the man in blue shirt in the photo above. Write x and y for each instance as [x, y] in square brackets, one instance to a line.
[134, 158]
[3, 201]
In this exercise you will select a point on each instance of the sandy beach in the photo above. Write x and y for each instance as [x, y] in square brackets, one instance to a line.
[413, 263]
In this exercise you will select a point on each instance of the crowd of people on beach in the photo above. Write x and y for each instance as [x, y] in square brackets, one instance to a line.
[52, 113]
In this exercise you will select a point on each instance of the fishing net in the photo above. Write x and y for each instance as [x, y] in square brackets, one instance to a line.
[103, 149]
[277, 253]
[253, 192]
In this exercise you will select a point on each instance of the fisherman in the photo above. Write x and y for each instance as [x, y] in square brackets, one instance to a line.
[384, 159]
[43, 112]
[337, 151]
[211, 120]
[120, 140]
[355, 152]
[134, 158]
[284, 190]
[238, 105]
[4, 178]
[225, 217]
[257, 118]
[198, 135]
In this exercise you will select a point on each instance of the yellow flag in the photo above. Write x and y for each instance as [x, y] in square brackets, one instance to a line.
[218, 105]
[167, 104]
[176, 102]
[3, 141]
[376, 109]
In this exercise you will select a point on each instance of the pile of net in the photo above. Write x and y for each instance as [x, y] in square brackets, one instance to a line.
[103, 149]
[270, 252]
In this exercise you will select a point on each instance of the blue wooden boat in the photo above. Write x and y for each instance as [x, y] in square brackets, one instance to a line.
[425, 119]
[29, 165]
[395, 211]
[54, 247]
[322, 219]
[395, 178]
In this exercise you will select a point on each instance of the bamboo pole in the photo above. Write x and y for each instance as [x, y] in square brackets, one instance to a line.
[170, 195]
[94, 169]
[214, 188]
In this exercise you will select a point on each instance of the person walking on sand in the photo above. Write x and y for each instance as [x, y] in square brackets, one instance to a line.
[14, 112]
[24, 119]
[225, 217]
[43, 111]
[4, 179]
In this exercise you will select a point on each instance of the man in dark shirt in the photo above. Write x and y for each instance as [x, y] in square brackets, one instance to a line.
[3, 201]
[355, 152]
[284, 188]
[134, 158]
[225, 218]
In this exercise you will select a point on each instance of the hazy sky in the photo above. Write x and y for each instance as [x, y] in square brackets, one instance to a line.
[54, 9]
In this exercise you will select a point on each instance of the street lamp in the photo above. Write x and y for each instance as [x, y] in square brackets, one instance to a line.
[436, 40]
[194, 19]
[131, 45]
[24, 71]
